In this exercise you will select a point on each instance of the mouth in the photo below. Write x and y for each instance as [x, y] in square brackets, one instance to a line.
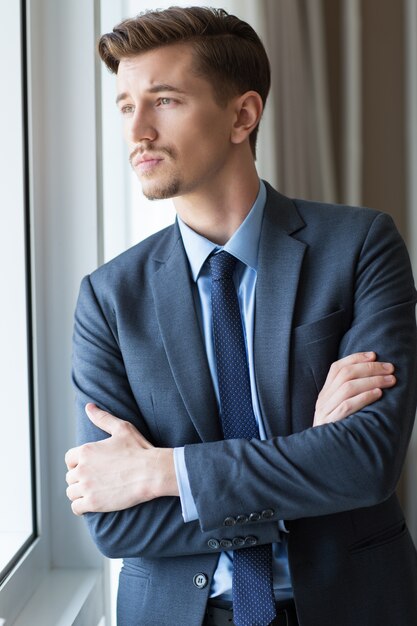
[148, 164]
[145, 162]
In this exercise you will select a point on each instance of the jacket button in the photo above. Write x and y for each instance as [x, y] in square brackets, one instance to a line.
[213, 544]
[238, 542]
[229, 521]
[268, 514]
[241, 519]
[254, 517]
[251, 541]
[200, 580]
[226, 543]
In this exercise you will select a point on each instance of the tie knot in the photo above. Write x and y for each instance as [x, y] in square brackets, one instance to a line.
[222, 265]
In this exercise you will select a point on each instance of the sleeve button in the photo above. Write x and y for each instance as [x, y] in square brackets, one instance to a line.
[229, 521]
[226, 543]
[254, 517]
[268, 514]
[250, 540]
[213, 544]
[238, 542]
[241, 519]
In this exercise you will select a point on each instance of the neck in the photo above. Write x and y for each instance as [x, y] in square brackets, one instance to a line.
[216, 213]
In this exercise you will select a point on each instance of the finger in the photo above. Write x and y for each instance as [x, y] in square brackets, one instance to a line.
[71, 457]
[352, 372]
[71, 477]
[78, 506]
[355, 387]
[102, 419]
[351, 359]
[355, 404]
[74, 491]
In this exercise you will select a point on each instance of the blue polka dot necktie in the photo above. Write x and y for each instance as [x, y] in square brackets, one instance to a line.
[253, 596]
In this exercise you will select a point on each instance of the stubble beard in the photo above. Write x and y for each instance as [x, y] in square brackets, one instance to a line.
[161, 191]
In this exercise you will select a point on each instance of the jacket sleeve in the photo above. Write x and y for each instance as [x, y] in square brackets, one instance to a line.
[336, 467]
[155, 528]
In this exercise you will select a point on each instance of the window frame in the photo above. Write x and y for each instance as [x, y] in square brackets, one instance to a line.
[5, 571]
[64, 229]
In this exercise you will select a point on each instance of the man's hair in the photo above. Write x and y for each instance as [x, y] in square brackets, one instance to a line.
[228, 52]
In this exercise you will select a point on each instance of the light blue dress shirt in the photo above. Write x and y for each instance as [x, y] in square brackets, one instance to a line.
[244, 246]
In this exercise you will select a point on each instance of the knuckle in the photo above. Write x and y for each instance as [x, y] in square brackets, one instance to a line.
[349, 387]
[85, 450]
[87, 485]
[346, 406]
[370, 367]
[334, 368]
[342, 373]
[349, 371]
[93, 502]
[123, 428]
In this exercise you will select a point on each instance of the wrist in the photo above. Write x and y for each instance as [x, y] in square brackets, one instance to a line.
[166, 484]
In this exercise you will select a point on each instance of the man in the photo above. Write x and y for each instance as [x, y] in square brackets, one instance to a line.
[231, 487]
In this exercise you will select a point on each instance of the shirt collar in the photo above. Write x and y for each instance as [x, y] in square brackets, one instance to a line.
[243, 244]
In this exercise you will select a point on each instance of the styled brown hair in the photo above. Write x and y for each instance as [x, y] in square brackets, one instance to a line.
[228, 52]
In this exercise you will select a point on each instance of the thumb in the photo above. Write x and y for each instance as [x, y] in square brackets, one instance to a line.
[102, 419]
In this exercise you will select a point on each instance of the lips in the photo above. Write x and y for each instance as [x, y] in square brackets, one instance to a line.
[145, 161]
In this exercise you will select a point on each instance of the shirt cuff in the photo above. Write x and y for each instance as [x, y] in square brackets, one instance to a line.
[189, 511]
[282, 527]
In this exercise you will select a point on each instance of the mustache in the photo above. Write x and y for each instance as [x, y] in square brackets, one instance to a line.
[157, 151]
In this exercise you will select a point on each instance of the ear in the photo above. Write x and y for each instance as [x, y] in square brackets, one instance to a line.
[248, 112]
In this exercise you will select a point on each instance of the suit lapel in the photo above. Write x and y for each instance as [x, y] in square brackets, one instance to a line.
[279, 265]
[178, 323]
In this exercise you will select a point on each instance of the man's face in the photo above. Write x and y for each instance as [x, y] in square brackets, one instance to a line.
[177, 134]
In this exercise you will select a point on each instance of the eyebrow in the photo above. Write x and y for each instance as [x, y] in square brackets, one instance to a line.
[154, 89]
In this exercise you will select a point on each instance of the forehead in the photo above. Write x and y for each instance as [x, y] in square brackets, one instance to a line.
[167, 65]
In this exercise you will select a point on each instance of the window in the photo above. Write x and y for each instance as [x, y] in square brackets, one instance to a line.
[56, 576]
[17, 518]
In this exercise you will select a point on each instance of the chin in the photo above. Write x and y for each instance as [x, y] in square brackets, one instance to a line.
[161, 191]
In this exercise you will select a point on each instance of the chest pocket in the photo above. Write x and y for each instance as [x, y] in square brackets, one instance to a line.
[315, 347]
[320, 340]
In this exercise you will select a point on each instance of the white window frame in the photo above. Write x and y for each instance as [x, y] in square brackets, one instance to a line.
[59, 581]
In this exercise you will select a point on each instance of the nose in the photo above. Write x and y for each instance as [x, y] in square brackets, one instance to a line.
[140, 127]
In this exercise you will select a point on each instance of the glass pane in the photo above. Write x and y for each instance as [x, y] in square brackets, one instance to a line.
[16, 510]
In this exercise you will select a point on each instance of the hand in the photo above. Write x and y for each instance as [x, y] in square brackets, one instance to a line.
[118, 472]
[351, 384]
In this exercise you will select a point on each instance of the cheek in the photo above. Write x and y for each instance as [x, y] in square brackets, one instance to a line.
[126, 132]
[208, 137]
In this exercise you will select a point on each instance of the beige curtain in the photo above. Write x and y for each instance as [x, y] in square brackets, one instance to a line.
[296, 130]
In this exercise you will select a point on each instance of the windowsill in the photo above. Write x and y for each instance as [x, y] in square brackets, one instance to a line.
[66, 597]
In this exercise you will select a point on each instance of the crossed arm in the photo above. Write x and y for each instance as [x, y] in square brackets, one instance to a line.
[125, 469]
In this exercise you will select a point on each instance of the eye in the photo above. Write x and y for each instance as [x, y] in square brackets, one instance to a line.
[127, 109]
[165, 101]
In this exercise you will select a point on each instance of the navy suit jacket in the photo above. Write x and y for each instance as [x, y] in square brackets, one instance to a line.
[332, 280]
